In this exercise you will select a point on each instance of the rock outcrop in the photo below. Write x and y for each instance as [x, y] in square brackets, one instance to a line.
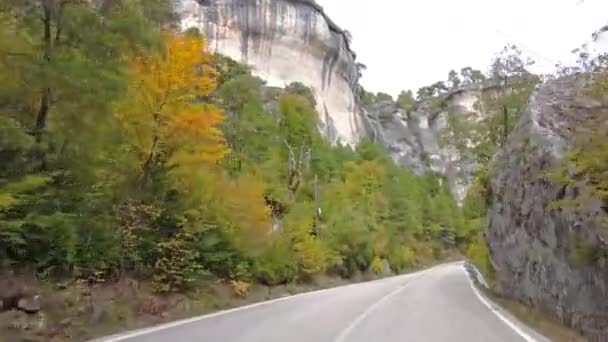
[413, 139]
[16, 296]
[288, 41]
[534, 245]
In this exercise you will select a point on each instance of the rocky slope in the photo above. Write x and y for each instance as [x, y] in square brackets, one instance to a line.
[294, 40]
[287, 41]
[535, 247]
[414, 138]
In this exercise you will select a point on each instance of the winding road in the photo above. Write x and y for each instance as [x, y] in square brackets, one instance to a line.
[438, 304]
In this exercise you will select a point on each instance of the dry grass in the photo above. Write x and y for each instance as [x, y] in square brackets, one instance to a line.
[537, 320]
[69, 308]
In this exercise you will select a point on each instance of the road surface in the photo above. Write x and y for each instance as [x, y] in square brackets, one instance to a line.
[438, 304]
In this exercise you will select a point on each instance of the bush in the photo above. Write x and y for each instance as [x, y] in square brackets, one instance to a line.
[479, 255]
[402, 258]
[218, 255]
[587, 254]
[240, 288]
[276, 266]
[310, 254]
[312, 258]
[176, 269]
[377, 266]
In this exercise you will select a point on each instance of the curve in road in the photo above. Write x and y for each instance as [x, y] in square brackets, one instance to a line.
[438, 304]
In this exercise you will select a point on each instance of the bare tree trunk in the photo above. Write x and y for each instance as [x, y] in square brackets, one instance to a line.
[505, 113]
[505, 123]
[43, 113]
[317, 208]
[292, 171]
[45, 99]
[149, 164]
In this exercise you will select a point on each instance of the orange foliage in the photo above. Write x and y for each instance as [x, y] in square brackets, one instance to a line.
[184, 68]
[163, 116]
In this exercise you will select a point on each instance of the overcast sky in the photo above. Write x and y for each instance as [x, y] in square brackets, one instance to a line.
[407, 44]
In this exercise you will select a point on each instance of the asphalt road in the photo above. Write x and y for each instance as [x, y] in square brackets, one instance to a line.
[438, 304]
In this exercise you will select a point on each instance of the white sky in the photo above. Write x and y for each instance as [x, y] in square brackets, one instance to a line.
[407, 44]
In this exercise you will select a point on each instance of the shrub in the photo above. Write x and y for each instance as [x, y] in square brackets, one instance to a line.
[479, 255]
[240, 288]
[587, 254]
[311, 256]
[402, 258]
[276, 266]
[217, 254]
[176, 269]
[377, 266]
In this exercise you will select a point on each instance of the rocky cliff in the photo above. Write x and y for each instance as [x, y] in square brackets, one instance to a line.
[294, 40]
[287, 41]
[414, 138]
[544, 255]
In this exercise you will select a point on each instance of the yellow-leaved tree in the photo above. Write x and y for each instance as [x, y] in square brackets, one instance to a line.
[164, 116]
[236, 205]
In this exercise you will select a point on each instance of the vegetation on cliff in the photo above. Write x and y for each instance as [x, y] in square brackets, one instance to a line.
[474, 136]
[129, 150]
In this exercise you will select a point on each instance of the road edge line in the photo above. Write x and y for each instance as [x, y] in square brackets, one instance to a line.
[496, 312]
[144, 331]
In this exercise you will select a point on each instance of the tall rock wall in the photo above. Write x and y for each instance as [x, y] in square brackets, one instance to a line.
[295, 41]
[413, 139]
[287, 41]
[536, 248]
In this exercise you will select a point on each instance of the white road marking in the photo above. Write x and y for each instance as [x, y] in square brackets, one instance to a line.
[346, 332]
[496, 312]
[145, 331]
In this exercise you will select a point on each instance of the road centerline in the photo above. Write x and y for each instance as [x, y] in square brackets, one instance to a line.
[344, 334]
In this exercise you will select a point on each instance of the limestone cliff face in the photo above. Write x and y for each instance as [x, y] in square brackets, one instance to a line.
[287, 41]
[413, 138]
[294, 40]
[534, 246]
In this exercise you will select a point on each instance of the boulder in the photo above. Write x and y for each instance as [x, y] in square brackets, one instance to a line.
[30, 304]
[14, 294]
[387, 271]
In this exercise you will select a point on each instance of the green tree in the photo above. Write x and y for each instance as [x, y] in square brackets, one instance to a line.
[453, 80]
[298, 130]
[68, 42]
[381, 97]
[65, 166]
[251, 132]
[510, 70]
[368, 98]
[406, 101]
[471, 76]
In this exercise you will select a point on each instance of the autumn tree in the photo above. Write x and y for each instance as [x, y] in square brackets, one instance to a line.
[117, 158]
[164, 116]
